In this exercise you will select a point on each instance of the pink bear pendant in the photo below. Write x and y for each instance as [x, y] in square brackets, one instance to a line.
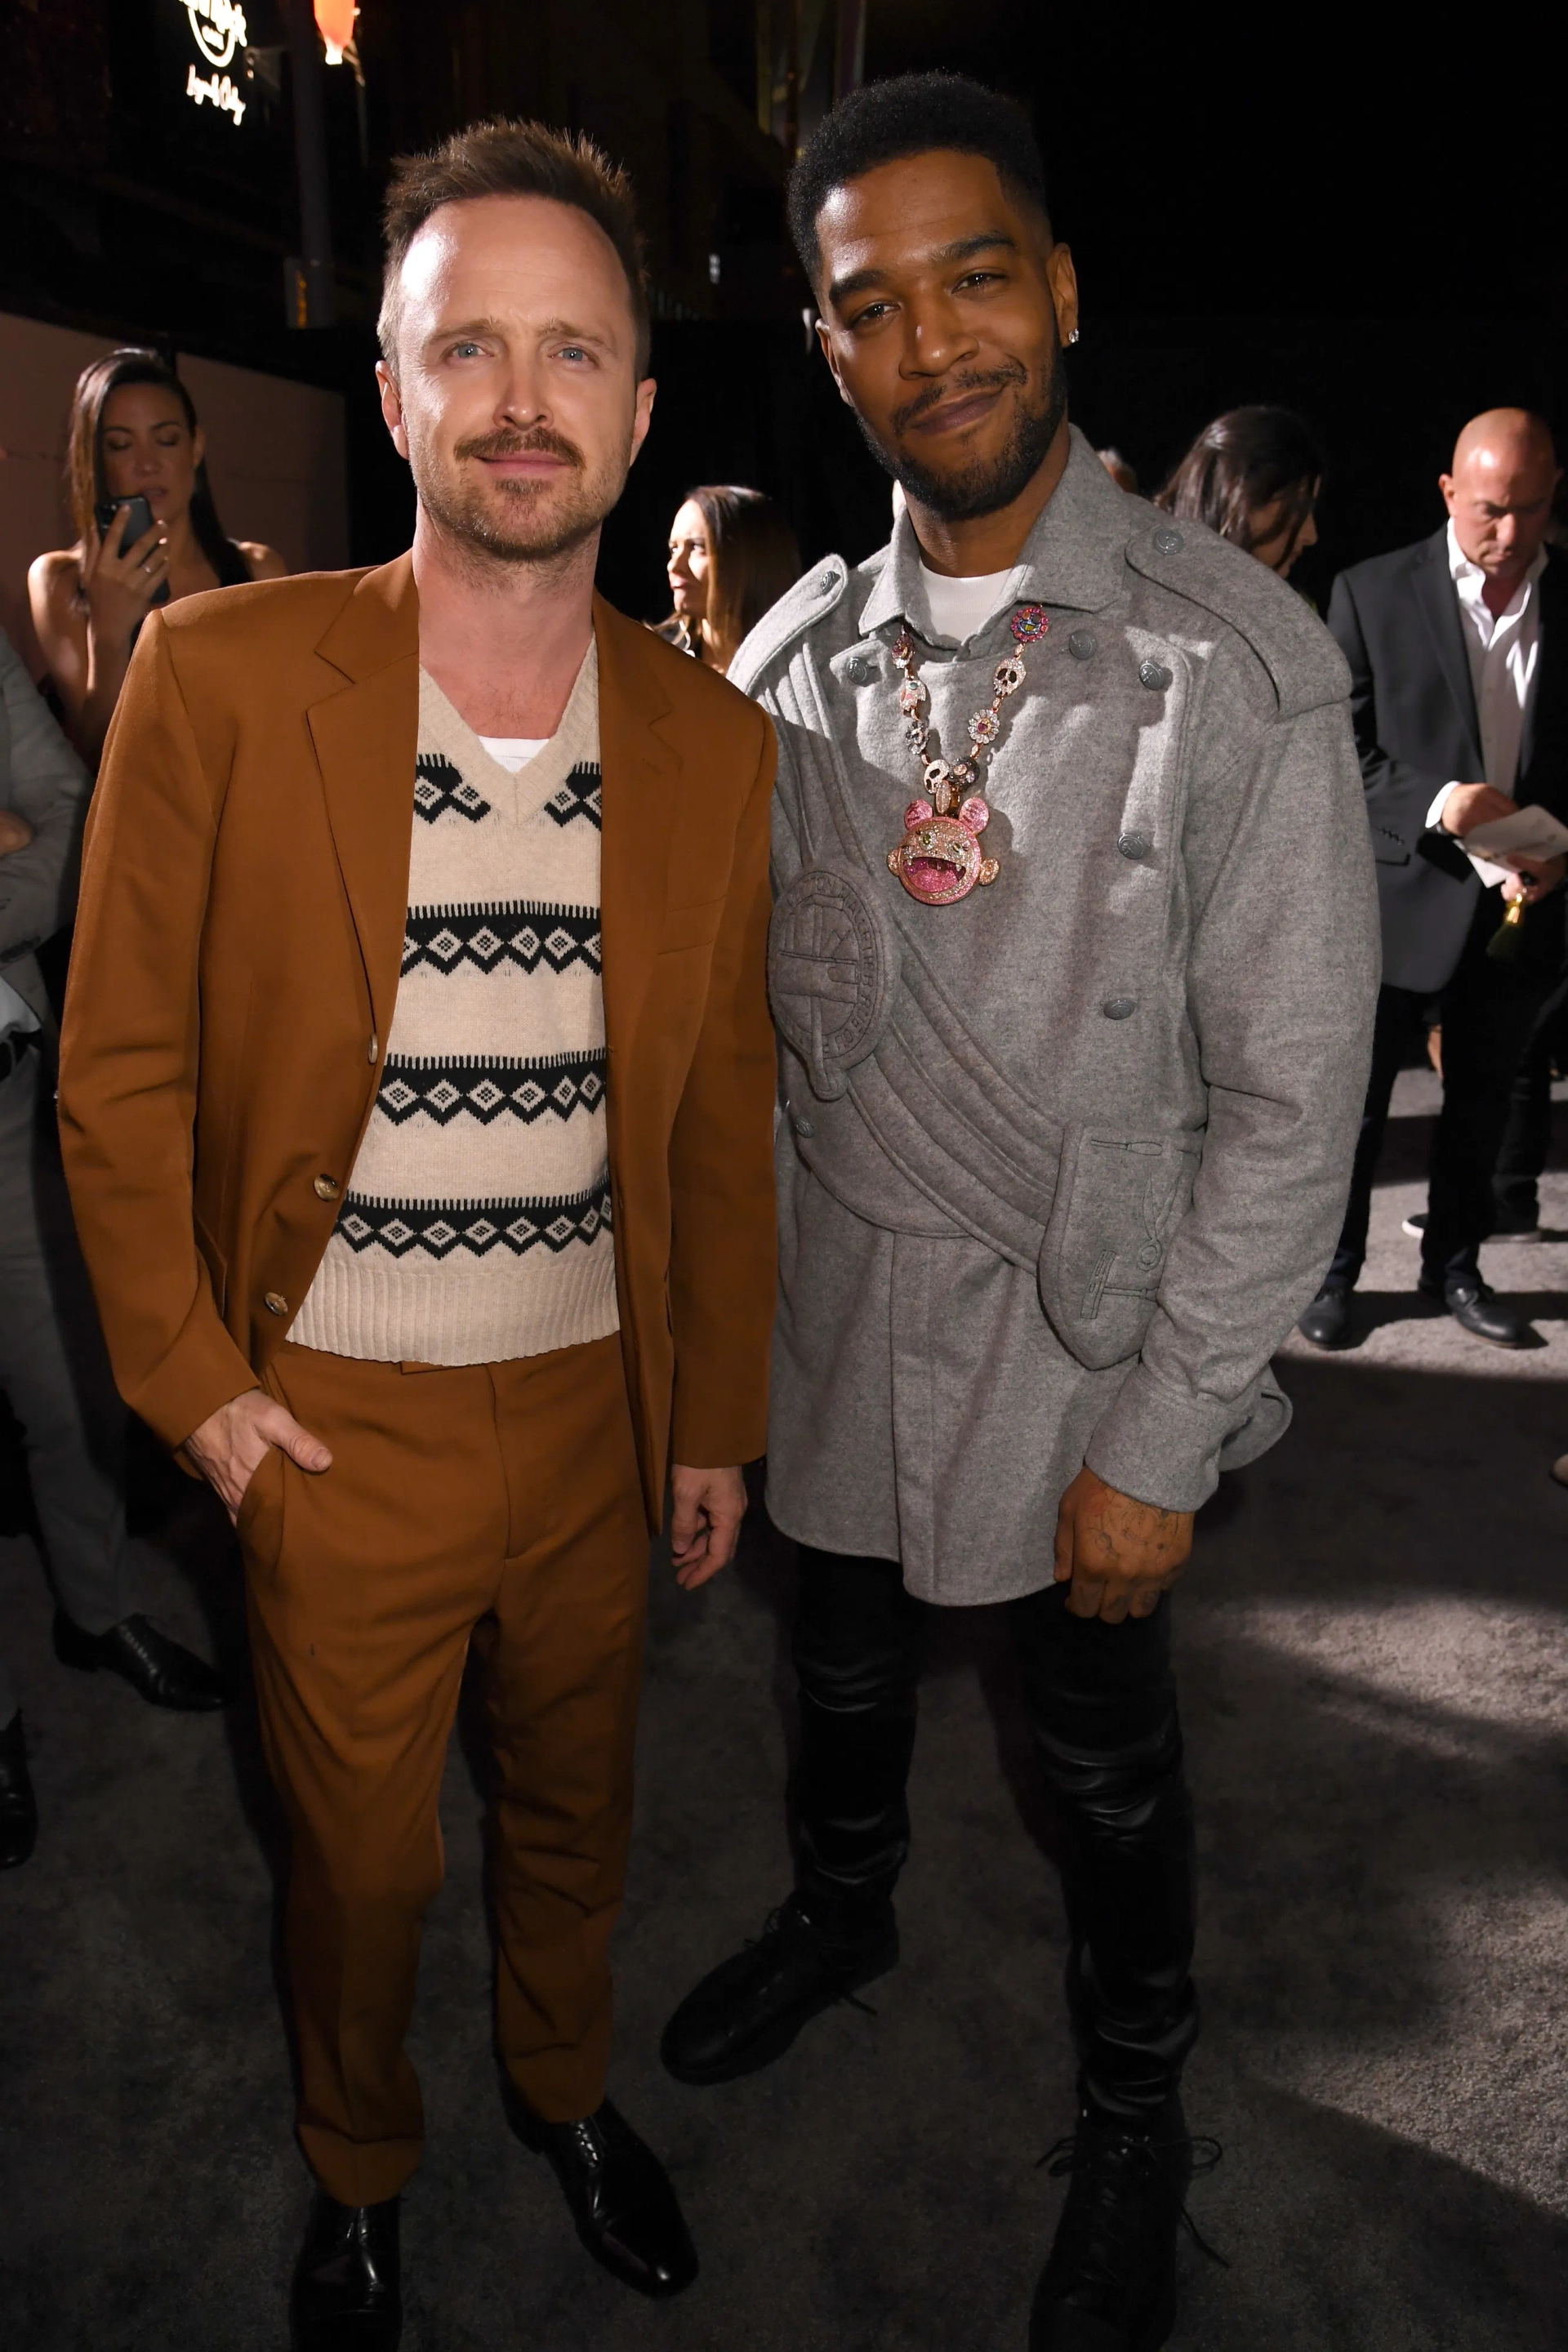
[939, 859]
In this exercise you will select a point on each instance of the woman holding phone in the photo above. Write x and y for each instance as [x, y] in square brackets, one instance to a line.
[147, 532]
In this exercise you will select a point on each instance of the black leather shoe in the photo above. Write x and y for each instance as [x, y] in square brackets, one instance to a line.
[18, 1806]
[347, 2292]
[1476, 1307]
[621, 2199]
[1327, 1322]
[166, 1673]
[1109, 2283]
[747, 2011]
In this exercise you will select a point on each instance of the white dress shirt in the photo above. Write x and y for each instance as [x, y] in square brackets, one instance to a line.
[1502, 653]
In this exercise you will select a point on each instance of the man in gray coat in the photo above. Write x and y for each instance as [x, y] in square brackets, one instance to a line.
[1073, 961]
[53, 1368]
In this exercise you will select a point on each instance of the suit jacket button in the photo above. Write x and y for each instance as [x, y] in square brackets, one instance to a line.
[1168, 541]
[1154, 675]
[1134, 844]
[1120, 1008]
[275, 1302]
[325, 1188]
[1083, 644]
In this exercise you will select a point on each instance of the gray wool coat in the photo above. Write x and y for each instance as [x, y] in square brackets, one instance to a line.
[1061, 1163]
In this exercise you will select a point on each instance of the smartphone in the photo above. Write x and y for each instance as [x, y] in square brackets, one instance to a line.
[137, 523]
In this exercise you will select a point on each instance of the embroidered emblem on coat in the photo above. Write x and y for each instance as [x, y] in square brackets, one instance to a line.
[439, 784]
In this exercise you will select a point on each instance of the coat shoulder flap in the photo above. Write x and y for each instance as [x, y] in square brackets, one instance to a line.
[781, 628]
[1305, 666]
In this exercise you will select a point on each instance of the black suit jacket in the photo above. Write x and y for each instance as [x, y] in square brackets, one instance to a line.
[1398, 625]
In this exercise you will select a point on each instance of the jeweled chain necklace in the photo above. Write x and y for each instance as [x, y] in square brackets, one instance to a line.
[940, 859]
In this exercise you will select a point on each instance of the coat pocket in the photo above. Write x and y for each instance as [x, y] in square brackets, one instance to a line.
[1119, 1200]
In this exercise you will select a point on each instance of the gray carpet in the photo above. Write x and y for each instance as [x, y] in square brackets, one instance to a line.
[1373, 1669]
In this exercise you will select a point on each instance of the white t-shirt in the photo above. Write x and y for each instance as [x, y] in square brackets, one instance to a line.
[956, 608]
[513, 752]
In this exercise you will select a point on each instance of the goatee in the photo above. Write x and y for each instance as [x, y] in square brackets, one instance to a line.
[988, 484]
[536, 522]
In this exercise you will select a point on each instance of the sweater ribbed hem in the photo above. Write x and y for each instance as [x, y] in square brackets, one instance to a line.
[459, 1310]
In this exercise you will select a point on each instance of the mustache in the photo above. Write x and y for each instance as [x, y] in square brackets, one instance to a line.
[507, 442]
[992, 380]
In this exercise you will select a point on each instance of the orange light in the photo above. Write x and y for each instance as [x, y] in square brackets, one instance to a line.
[335, 22]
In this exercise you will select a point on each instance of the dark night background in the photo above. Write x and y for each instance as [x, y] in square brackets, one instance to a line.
[1311, 213]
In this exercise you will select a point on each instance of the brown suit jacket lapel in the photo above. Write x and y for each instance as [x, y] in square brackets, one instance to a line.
[365, 738]
[639, 815]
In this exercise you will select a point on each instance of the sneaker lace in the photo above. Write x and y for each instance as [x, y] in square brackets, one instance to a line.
[1077, 2153]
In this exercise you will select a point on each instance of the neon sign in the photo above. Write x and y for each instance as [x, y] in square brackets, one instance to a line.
[219, 30]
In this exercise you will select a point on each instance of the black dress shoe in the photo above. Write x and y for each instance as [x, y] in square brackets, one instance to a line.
[621, 2199]
[1476, 1307]
[166, 1673]
[1327, 1322]
[1109, 2283]
[747, 2011]
[347, 2292]
[18, 1806]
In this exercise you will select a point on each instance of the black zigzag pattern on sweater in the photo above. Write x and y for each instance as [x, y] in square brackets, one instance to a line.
[480, 1086]
[440, 1228]
[439, 785]
[521, 931]
[578, 796]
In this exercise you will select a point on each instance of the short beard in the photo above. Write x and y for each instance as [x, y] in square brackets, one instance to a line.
[540, 521]
[986, 486]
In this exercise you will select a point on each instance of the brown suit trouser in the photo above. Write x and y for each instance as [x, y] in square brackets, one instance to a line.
[505, 1491]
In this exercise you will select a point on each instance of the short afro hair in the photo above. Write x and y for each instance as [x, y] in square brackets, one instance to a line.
[913, 114]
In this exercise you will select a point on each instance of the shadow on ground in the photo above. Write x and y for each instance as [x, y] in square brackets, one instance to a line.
[1375, 1672]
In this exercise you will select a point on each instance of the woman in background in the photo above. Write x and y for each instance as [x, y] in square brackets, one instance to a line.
[1255, 475]
[731, 554]
[134, 433]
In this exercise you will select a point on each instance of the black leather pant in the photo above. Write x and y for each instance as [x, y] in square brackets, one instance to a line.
[1101, 1703]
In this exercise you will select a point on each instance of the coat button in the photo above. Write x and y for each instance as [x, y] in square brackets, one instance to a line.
[1154, 675]
[325, 1188]
[1082, 645]
[1168, 541]
[858, 670]
[1120, 1008]
[275, 1302]
[1134, 844]
[374, 1048]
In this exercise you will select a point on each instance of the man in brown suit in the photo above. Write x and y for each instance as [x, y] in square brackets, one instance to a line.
[424, 1248]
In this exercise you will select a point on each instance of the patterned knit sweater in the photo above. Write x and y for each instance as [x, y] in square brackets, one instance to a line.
[476, 1223]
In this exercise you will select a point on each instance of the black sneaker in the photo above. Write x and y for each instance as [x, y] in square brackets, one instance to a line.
[747, 2011]
[1109, 2284]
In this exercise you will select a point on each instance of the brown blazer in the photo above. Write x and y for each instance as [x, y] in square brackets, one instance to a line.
[236, 957]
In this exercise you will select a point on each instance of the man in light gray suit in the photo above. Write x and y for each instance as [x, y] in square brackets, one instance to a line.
[53, 1368]
[1073, 961]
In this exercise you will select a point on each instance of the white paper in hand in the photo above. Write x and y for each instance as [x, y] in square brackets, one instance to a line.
[1529, 832]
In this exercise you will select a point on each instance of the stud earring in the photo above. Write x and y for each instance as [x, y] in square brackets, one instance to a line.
[1073, 337]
